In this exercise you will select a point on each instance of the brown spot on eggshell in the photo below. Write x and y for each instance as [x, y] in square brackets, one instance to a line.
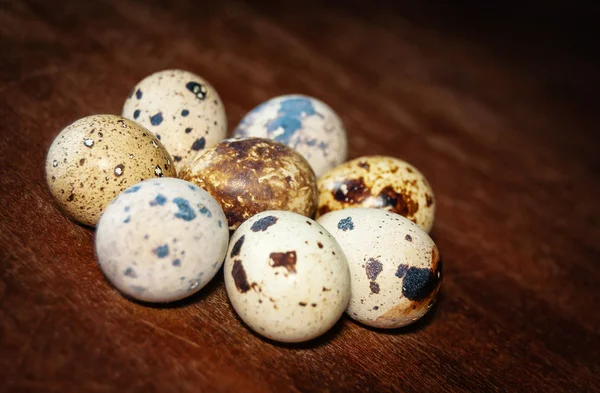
[239, 277]
[284, 259]
[353, 191]
[398, 202]
[429, 200]
[248, 176]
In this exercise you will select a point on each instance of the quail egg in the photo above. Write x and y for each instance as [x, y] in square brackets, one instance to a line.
[182, 109]
[304, 123]
[162, 240]
[378, 182]
[286, 276]
[251, 175]
[395, 267]
[95, 158]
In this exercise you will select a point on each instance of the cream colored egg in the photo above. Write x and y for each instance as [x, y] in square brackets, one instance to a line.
[95, 158]
[161, 240]
[182, 109]
[286, 276]
[378, 182]
[306, 124]
[395, 267]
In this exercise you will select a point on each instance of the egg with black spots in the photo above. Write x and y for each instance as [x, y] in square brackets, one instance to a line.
[395, 267]
[162, 240]
[183, 109]
[379, 182]
[286, 276]
[250, 175]
[304, 123]
[96, 157]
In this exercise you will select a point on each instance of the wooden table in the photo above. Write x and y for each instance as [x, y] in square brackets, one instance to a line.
[497, 106]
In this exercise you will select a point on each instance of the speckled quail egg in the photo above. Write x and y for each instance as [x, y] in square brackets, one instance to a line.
[395, 267]
[304, 123]
[286, 276]
[162, 240]
[182, 109]
[251, 175]
[96, 157]
[378, 182]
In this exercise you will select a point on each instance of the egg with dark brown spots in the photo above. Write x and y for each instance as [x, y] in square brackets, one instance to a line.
[286, 276]
[395, 267]
[379, 182]
[182, 109]
[95, 158]
[250, 175]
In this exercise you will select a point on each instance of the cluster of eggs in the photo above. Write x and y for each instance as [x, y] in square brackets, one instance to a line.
[173, 201]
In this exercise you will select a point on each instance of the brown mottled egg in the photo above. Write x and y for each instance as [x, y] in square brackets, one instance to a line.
[95, 158]
[182, 109]
[251, 175]
[378, 182]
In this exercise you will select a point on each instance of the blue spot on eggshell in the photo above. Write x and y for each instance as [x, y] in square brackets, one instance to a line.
[185, 210]
[289, 118]
[192, 187]
[346, 224]
[138, 94]
[127, 208]
[126, 220]
[132, 189]
[177, 262]
[220, 224]
[204, 210]
[185, 112]
[159, 200]
[156, 119]
[289, 125]
[162, 251]
[136, 114]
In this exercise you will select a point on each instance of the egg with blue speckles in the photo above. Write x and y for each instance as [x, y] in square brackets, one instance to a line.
[95, 158]
[286, 276]
[304, 123]
[162, 240]
[380, 182]
[395, 267]
[182, 109]
[251, 175]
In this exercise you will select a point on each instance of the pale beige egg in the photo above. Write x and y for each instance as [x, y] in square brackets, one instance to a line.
[379, 182]
[95, 158]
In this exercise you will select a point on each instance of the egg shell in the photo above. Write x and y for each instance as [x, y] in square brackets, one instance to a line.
[162, 240]
[251, 175]
[95, 158]
[395, 267]
[286, 277]
[378, 182]
[182, 109]
[304, 123]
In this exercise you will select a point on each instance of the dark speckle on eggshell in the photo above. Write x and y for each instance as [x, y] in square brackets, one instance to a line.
[235, 250]
[346, 224]
[263, 224]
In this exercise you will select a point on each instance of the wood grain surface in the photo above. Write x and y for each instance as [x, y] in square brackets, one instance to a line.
[497, 105]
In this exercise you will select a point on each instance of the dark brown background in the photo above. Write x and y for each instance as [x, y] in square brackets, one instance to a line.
[497, 105]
